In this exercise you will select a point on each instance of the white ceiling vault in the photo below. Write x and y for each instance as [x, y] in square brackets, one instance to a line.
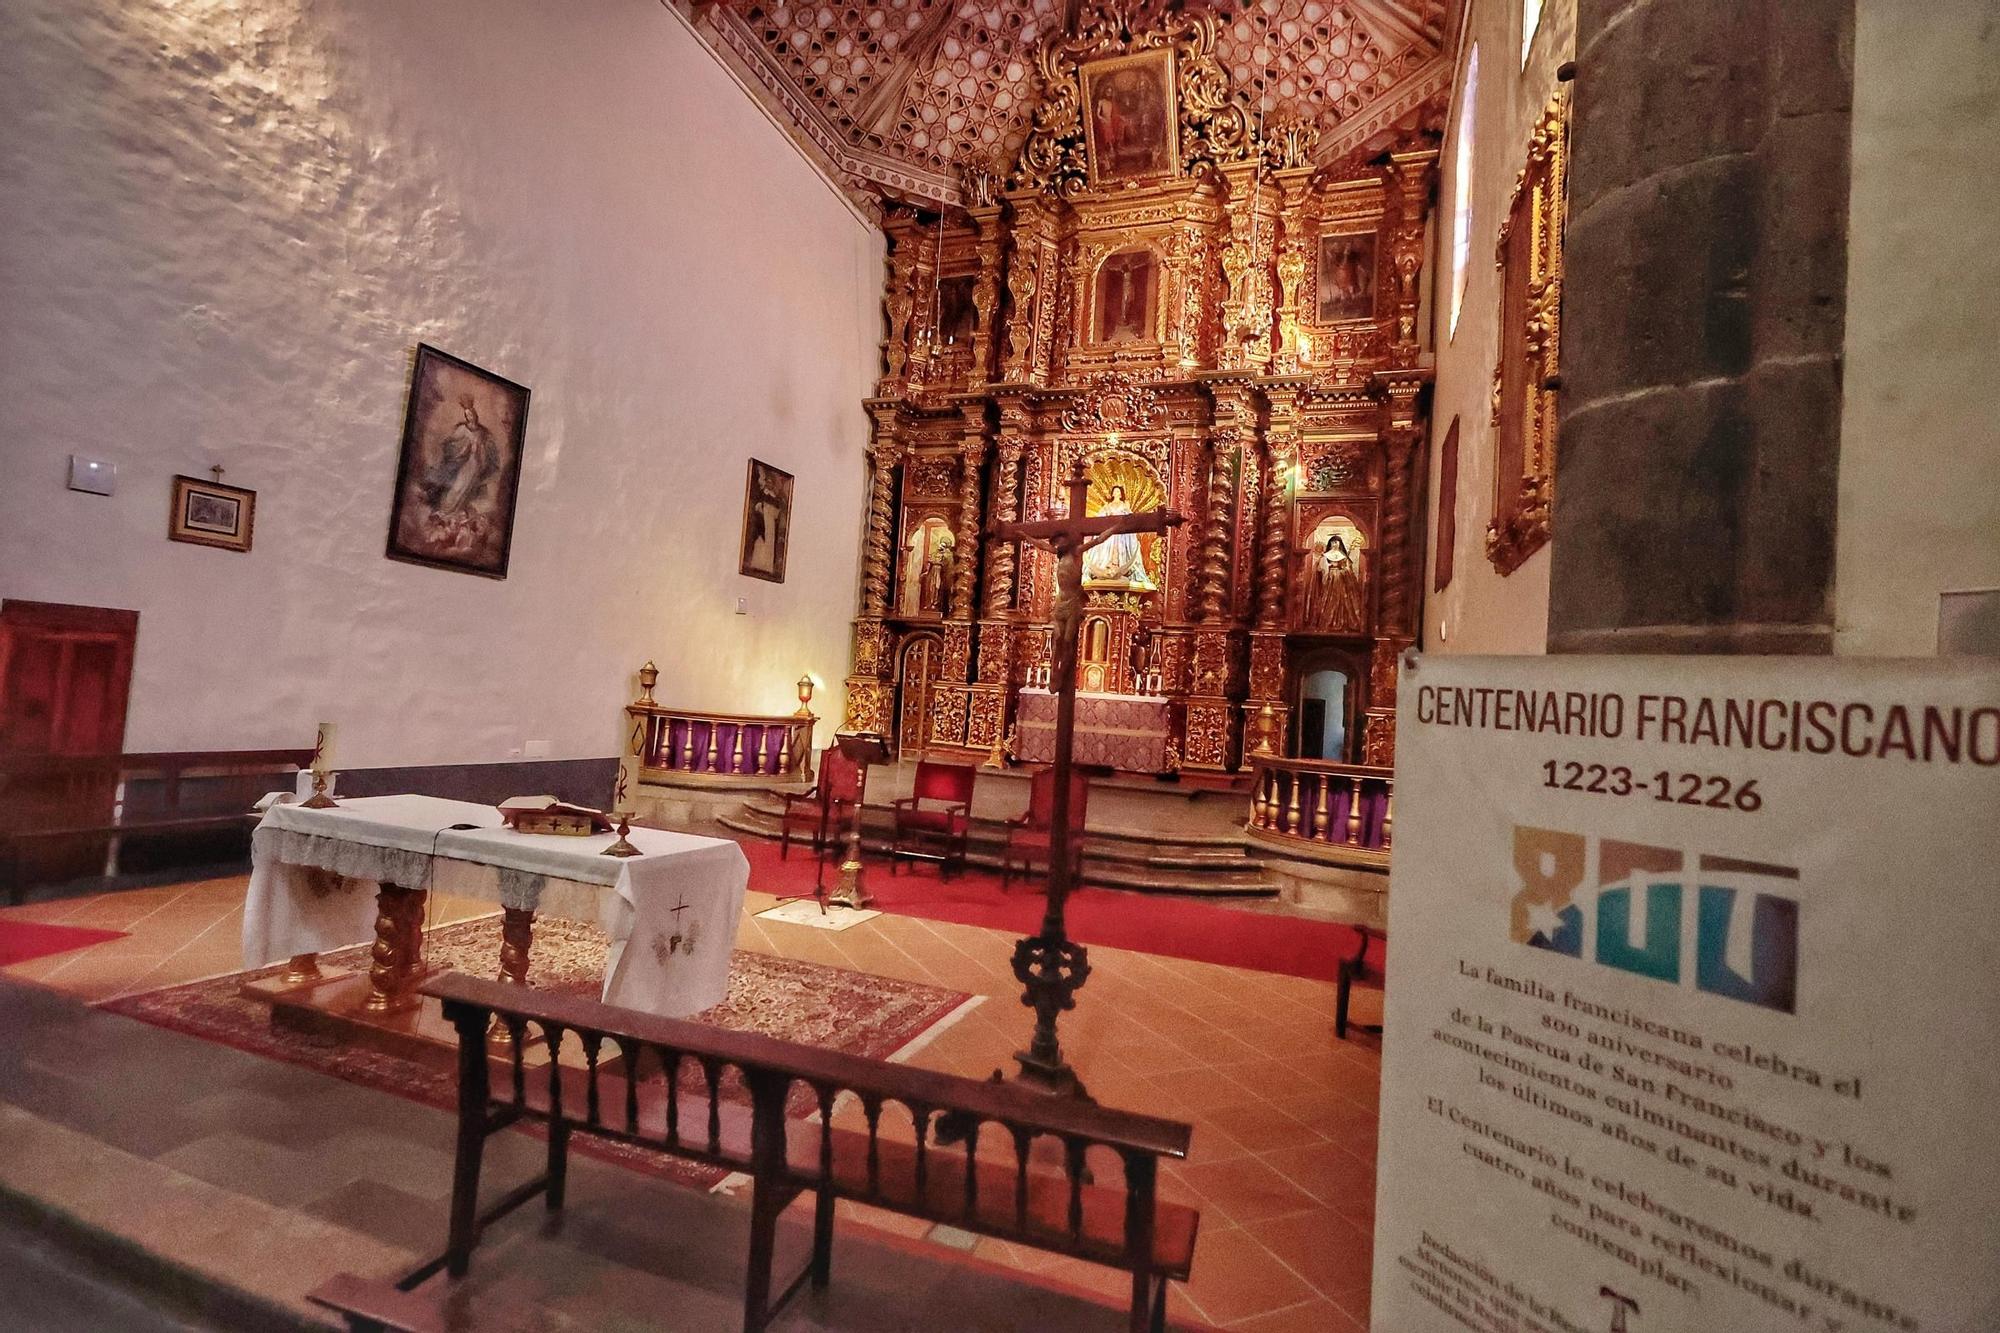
[894, 98]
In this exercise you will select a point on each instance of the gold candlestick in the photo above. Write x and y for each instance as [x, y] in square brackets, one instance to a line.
[623, 847]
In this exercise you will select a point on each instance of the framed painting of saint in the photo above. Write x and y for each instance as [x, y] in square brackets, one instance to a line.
[1346, 278]
[459, 473]
[1131, 129]
[1126, 301]
[767, 522]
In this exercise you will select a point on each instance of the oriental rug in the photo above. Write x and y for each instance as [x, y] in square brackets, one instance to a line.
[829, 1007]
[21, 941]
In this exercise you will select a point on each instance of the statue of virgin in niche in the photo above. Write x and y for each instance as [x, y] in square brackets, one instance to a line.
[1118, 558]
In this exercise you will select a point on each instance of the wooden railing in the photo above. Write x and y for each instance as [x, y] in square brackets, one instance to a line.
[690, 741]
[765, 1107]
[1327, 805]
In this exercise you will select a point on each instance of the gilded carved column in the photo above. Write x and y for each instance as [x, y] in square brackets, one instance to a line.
[986, 292]
[971, 461]
[881, 540]
[1411, 176]
[1212, 557]
[899, 299]
[868, 690]
[1401, 394]
[999, 597]
[1264, 731]
[1247, 254]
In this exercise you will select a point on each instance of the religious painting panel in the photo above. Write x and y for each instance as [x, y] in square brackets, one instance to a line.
[925, 568]
[458, 475]
[767, 522]
[1332, 592]
[1344, 278]
[1125, 300]
[1131, 126]
[1524, 383]
[1122, 483]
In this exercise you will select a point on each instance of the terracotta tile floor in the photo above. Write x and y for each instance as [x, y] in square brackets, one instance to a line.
[1283, 1162]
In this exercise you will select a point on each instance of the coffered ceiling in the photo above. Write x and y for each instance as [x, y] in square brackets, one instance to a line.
[895, 97]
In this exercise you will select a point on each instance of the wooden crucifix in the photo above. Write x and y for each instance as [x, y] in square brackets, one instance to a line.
[1050, 967]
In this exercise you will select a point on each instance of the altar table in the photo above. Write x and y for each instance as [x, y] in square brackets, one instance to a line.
[1122, 731]
[325, 879]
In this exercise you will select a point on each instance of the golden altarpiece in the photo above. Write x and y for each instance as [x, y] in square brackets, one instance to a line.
[1168, 290]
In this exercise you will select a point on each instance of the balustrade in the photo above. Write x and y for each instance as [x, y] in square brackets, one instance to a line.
[683, 741]
[1346, 806]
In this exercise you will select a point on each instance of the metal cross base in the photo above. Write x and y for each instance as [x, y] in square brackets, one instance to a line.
[1051, 969]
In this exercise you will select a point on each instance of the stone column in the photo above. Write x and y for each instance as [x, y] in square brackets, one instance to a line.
[1704, 315]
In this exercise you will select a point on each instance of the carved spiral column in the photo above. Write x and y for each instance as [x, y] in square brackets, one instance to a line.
[868, 690]
[1212, 561]
[1006, 509]
[899, 298]
[881, 522]
[971, 459]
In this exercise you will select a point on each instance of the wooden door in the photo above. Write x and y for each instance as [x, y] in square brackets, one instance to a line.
[65, 676]
[919, 663]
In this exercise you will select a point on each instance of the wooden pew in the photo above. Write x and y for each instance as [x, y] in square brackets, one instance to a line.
[674, 1103]
[52, 798]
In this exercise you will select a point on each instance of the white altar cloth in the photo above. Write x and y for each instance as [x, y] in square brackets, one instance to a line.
[679, 903]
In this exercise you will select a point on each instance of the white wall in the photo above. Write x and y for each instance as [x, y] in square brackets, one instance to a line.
[1482, 612]
[1920, 434]
[224, 225]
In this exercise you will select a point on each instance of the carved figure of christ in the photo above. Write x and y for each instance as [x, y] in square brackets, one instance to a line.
[1051, 982]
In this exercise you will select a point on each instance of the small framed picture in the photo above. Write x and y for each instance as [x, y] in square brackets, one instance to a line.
[211, 514]
[767, 522]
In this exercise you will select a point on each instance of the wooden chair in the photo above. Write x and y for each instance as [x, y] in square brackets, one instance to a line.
[1029, 836]
[1358, 971]
[827, 805]
[944, 828]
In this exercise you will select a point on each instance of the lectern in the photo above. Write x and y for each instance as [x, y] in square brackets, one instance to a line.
[863, 748]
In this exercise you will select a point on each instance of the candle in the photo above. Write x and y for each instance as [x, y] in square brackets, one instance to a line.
[322, 759]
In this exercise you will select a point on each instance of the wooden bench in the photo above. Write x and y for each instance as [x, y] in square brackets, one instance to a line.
[56, 797]
[679, 1089]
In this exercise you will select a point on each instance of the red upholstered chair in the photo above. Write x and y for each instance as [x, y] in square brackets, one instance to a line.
[1358, 971]
[939, 832]
[1029, 836]
[826, 808]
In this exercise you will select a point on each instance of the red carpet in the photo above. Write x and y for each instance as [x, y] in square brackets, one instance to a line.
[23, 940]
[1115, 918]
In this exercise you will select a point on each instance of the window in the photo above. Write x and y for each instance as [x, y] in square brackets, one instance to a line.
[1461, 191]
[1447, 520]
[1531, 21]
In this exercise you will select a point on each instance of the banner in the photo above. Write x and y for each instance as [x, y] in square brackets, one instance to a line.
[1694, 975]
